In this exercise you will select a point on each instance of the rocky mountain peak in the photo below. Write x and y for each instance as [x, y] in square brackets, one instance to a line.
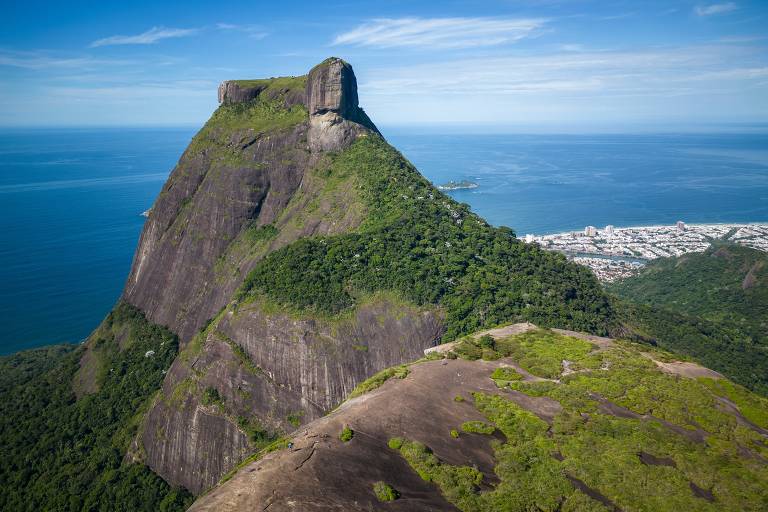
[335, 118]
[332, 87]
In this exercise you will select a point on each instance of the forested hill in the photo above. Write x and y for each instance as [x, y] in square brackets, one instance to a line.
[727, 284]
[712, 306]
[61, 453]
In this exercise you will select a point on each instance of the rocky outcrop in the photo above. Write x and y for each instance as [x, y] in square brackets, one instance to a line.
[335, 116]
[231, 91]
[244, 188]
[240, 91]
[204, 207]
[229, 181]
[275, 370]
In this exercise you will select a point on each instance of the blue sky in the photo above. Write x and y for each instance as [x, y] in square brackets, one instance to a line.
[551, 63]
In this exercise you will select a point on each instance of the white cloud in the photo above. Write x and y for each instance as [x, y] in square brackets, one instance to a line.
[708, 10]
[673, 71]
[253, 31]
[151, 36]
[440, 32]
[42, 61]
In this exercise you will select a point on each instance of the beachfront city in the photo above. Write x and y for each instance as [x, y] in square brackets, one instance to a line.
[615, 253]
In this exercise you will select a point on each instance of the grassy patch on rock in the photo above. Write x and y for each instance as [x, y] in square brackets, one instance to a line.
[398, 372]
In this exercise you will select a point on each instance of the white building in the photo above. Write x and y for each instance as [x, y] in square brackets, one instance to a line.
[609, 229]
[590, 231]
[529, 239]
[680, 225]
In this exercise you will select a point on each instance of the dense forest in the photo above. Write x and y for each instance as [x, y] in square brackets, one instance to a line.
[727, 284]
[421, 244]
[60, 453]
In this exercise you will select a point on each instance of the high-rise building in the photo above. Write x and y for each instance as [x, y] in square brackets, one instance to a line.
[680, 225]
[590, 231]
[609, 229]
[529, 239]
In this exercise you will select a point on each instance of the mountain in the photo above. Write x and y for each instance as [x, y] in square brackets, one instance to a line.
[520, 418]
[296, 253]
[712, 306]
[294, 259]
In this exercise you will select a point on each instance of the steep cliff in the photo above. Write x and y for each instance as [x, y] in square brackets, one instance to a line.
[216, 215]
[296, 254]
[545, 420]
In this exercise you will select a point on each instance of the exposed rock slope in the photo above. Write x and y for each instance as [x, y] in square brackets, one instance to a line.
[240, 173]
[563, 421]
[296, 253]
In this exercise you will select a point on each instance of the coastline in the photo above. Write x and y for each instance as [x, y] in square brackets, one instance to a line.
[614, 253]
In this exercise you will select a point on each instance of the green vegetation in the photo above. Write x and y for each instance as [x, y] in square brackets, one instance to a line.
[711, 306]
[458, 398]
[727, 284]
[384, 492]
[211, 396]
[478, 427]
[276, 86]
[454, 433]
[541, 352]
[716, 346]
[398, 372]
[346, 434]
[295, 418]
[632, 463]
[459, 484]
[486, 341]
[266, 113]
[504, 374]
[259, 436]
[60, 453]
[421, 244]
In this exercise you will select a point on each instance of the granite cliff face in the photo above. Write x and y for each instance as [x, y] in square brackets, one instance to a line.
[235, 178]
[296, 253]
[251, 182]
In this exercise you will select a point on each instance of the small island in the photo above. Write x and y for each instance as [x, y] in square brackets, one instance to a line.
[458, 185]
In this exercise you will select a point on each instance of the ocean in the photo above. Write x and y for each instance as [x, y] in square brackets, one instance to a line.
[71, 199]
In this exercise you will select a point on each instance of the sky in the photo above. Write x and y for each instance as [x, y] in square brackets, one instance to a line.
[501, 63]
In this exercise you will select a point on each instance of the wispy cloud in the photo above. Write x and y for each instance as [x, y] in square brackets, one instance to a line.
[709, 10]
[151, 36]
[253, 31]
[36, 60]
[440, 32]
[673, 71]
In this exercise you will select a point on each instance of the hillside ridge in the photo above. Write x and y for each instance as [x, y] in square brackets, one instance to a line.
[555, 420]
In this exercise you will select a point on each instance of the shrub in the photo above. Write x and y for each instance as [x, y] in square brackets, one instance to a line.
[385, 492]
[295, 418]
[477, 427]
[454, 433]
[211, 396]
[505, 373]
[395, 443]
[399, 372]
[346, 434]
[458, 398]
[487, 341]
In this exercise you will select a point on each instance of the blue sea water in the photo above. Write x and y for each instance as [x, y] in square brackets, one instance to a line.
[70, 200]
